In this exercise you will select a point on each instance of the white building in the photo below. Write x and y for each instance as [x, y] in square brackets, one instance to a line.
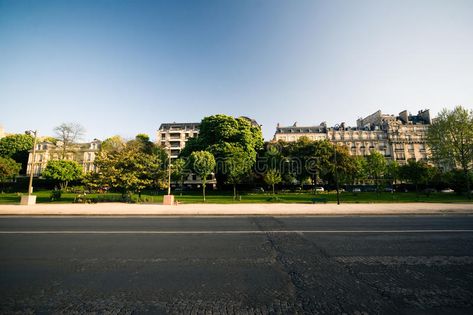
[399, 138]
[175, 136]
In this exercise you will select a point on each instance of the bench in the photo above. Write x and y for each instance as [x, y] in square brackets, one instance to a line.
[319, 200]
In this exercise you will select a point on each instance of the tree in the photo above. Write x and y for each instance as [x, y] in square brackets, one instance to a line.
[314, 157]
[218, 132]
[115, 143]
[375, 167]
[450, 138]
[392, 171]
[130, 167]
[237, 165]
[8, 169]
[272, 177]
[203, 164]
[17, 147]
[62, 171]
[179, 171]
[68, 134]
[359, 172]
[416, 172]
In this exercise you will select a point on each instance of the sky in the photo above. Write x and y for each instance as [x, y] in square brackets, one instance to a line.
[124, 67]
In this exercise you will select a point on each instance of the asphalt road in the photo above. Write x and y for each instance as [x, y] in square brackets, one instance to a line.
[237, 265]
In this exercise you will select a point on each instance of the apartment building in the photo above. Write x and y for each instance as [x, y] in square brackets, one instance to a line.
[82, 153]
[399, 138]
[294, 132]
[175, 135]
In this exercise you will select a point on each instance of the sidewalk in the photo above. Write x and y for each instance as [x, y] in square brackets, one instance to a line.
[121, 209]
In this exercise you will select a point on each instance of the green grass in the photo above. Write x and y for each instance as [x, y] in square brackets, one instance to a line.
[217, 197]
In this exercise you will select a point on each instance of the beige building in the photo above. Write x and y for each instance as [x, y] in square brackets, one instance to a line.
[294, 132]
[175, 135]
[82, 153]
[399, 138]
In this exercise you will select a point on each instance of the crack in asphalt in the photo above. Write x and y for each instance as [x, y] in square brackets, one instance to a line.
[322, 284]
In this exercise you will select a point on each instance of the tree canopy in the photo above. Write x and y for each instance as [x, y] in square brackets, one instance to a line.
[62, 172]
[450, 138]
[17, 147]
[223, 135]
[203, 164]
[129, 167]
[8, 169]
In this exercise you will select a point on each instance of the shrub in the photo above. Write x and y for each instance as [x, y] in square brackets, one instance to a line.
[55, 195]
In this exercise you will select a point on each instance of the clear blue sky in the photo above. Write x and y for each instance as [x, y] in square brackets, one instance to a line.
[125, 67]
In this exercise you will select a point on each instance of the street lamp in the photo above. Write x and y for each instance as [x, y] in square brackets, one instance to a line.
[169, 199]
[30, 199]
[337, 126]
[169, 172]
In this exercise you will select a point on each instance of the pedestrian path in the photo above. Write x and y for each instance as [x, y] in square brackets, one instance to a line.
[121, 209]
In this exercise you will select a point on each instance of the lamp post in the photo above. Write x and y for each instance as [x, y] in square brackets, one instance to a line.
[169, 172]
[30, 199]
[337, 126]
[169, 199]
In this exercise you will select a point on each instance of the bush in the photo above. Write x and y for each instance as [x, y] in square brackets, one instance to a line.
[55, 195]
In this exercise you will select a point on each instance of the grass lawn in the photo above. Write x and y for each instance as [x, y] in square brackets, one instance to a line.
[227, 197]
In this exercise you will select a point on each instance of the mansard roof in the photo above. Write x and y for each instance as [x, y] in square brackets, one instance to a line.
[168, 126]
[302, 129]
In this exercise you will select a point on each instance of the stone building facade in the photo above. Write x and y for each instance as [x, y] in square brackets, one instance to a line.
[175, 136]
[82, 153]
[399, 138]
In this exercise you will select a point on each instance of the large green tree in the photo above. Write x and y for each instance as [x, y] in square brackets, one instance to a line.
[62, 172]
[237, 165]
[450, 138]
[302, 161]
[129, 167]
[416, 172]
[8, 169]
[218, 133]
[203, 164]
[17, 147]
[375, 167]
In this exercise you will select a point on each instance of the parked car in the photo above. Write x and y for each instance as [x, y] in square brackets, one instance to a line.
[319, 189]
[356, 190]
[447, 191]
[389, 189]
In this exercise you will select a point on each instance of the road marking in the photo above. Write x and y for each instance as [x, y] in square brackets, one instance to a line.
[237, 232]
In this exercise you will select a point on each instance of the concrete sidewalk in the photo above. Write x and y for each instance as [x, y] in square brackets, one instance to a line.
[121, 209]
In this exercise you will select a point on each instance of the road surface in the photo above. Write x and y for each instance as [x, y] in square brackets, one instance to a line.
[237, 265]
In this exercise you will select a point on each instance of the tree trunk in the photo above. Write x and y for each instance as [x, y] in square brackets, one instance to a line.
[234, 191]
[314, 184]
[273, 189]
[203, 189]
[468, 189]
